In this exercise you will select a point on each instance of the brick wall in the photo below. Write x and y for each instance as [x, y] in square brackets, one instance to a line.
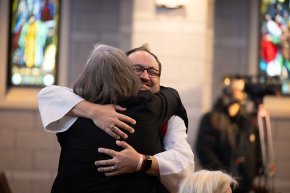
[29, 156]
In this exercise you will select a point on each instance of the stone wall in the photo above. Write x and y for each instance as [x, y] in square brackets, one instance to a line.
[182, 39]
[29, 156]
[197, 44]
[281, 136]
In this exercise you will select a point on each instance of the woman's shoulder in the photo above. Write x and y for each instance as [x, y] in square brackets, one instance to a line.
[147, 96]
[141, 97]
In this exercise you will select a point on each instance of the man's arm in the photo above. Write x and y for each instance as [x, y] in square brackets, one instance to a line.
[105, 116]
[172, 165]
[54, 102]
[177, 161]
[125, 161]
[59, 108]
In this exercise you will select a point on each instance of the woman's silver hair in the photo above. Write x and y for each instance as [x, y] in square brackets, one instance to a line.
[108, 76]
[205, 181]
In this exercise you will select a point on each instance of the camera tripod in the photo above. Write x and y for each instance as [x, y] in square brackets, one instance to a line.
[266, 181]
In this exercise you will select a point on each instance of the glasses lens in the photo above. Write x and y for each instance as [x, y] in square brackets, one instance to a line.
[152, 72]
[139, 69]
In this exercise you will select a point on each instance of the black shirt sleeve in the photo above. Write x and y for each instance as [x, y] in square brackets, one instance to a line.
[166, 103]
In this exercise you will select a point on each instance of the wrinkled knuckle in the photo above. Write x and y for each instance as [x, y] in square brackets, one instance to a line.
[116, 156]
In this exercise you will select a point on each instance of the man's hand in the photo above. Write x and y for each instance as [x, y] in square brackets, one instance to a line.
[105, 117]
[125, 161]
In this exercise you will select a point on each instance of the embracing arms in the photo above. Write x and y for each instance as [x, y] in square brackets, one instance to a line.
[59, 105]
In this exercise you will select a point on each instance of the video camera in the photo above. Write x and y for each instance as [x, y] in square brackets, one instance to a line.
[256, 87]
[259, 86]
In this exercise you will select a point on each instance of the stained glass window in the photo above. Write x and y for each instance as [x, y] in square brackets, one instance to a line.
[33, 41]
[275, 41]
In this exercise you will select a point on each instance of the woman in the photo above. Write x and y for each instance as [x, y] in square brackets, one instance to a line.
[205, 181]
[109, 78]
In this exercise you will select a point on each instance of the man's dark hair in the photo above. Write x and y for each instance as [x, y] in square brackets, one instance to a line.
[145, 48]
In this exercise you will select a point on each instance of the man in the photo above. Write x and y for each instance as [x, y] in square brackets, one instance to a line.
[171, 165]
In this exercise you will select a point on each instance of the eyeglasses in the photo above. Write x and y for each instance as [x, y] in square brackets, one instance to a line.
[152, 72]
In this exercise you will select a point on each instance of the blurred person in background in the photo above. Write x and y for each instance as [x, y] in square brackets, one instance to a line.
[228, 136]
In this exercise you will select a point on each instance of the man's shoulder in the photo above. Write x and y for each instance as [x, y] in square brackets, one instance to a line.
[164, 88]
[175, 119]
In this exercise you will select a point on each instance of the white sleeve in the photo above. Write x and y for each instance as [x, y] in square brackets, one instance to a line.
[177, 161]
[54, 102]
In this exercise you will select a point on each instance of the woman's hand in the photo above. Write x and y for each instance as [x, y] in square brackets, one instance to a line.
[125, 161]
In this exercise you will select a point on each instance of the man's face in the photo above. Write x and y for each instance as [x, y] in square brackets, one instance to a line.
[146, 60]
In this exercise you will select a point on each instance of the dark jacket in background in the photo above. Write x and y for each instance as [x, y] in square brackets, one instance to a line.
[230, 144]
